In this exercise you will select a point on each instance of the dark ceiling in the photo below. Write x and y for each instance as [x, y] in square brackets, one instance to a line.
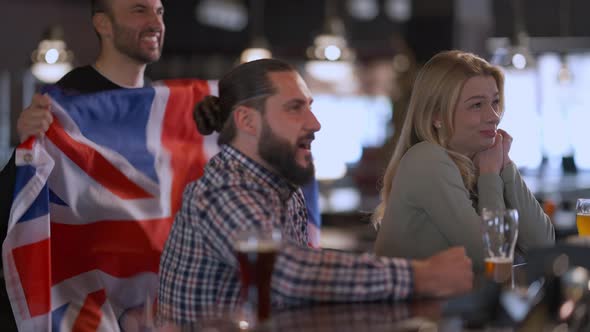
[545, 18]
[290, 25]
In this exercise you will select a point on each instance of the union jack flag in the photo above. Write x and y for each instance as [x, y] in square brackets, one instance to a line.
[94, 203]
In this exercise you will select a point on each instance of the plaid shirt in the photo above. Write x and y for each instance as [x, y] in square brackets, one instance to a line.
[199, 273]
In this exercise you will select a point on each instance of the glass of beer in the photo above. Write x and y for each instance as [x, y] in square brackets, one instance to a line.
[256, 251]
[500, 232]
[583, 216]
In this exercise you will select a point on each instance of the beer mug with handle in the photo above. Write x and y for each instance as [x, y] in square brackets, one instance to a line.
[500, 232]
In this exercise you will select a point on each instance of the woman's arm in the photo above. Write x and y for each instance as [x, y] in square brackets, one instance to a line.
[535, 228]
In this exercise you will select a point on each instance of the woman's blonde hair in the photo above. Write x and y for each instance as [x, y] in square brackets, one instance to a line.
[436, 90]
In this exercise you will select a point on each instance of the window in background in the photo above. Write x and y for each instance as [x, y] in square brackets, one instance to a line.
[579, 108]
[521, 118]
[554, 111]
[547, 111]
[564, 84]
[349, 123]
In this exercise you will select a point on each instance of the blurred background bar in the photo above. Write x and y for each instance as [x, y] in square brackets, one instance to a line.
[359, 57]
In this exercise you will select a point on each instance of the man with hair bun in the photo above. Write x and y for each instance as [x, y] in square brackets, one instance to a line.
[266, 126]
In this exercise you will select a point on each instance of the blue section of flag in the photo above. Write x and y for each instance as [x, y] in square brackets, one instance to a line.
[311, 194]
[57, 317]
[117, 120]
[23, 175]
[53, 198]
[39, 207]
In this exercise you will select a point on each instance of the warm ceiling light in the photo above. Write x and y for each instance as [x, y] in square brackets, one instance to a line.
[330, 58]
[255, 53]
[51, 60]
[517, 56]
[224, 14]
[259, 47]
[364, 10]
[399, 10]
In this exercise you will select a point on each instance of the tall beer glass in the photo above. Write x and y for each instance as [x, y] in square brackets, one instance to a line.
[256, 251]
[583, 216]
[500, 232]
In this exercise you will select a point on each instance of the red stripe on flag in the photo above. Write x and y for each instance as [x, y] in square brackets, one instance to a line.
[33, 265]
[185, 144]
[90, 314]
[93, 163]
[119, 248]
[28, 143]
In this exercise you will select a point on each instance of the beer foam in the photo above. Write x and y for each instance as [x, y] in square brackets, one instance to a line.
[499, 260]
[258, 246]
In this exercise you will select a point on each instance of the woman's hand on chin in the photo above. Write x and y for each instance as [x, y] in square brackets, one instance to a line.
[506, 144]
[491, 160]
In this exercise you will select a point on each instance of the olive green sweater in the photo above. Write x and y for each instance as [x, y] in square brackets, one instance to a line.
[429, 208]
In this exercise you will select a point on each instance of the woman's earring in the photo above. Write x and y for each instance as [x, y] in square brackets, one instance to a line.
[437, 124]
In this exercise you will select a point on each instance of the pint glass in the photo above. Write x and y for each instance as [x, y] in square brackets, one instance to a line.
[583, 216]
[256, 251]
[500, 232]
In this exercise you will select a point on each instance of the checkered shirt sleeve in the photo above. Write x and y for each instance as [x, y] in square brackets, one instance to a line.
[303, 275]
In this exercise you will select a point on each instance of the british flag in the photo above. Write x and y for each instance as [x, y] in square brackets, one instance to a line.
[94, 202]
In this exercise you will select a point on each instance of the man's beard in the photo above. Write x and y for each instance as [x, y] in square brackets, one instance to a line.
[125, 42]
[280, 154]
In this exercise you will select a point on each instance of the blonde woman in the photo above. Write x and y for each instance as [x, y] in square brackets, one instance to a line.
[452, 160]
